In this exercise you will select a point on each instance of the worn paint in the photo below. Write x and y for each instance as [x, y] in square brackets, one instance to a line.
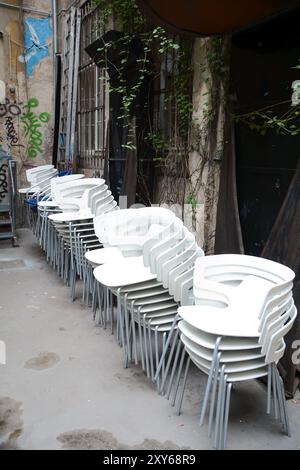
[37, 32]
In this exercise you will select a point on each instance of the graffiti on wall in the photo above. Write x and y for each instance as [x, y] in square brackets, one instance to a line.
[11, 133]
[3, 181]
[11, 115]
[33, 122]
[10, 108]
[37, 32]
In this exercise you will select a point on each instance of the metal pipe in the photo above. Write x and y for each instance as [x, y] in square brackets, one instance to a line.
[55, 79]
[55, 43]
[25, 9]
[55, 28]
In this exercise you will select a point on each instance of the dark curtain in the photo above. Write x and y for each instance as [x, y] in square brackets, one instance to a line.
[283, 244]
[228, 228]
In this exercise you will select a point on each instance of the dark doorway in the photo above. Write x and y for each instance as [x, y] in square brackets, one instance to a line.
[261, 75]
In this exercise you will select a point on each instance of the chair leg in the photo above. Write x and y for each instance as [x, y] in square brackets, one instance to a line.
[127, 336]
[279, 398]
[221, 428]
[73, 284]
[213, 396]
[146, 346]
[180, 400]
[112, 316]
[141, 338]
[218, 414]
[156, 357]
[179, 346]
[133, 332]
[275, 398]
[209, 381]
[226, 416]
[150, 350]
[269, 390]
[171, 353]
[165, 348]
[282, 402]
[178, 377]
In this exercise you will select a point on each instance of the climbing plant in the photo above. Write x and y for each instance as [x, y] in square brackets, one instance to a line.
[282, 117]
[273, 118]
[173, 132]
[157, 45]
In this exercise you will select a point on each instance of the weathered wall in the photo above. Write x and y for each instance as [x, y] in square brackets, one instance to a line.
[209, 98]
[199, 190]
[26, 59]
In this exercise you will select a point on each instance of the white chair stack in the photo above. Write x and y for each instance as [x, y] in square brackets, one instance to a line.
[235, 331]
[148, 296]
[71, 232]
[40, 186]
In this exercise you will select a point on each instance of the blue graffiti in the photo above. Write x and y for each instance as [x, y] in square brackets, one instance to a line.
[37, 32]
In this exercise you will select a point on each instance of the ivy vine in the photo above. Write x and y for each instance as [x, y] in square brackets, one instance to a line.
[157, 46]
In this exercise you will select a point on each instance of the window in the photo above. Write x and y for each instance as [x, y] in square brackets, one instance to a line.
[93, 98]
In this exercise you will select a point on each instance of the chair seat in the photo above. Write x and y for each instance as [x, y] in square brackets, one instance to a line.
[220, 322]
[239, 317]
[70, 216]
[45, 204]
[206, 340]
[103, 255]
[123, 272]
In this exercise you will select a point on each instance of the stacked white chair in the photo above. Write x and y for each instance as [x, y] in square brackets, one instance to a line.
[149, 295]
[235, 332]
[50, 206]
[126, 276]
[72, 231]
[40, 186]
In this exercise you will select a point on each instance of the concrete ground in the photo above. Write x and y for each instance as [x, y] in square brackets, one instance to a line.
[64, 386]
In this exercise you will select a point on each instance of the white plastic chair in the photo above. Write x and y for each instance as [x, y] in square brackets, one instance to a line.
[246, 314]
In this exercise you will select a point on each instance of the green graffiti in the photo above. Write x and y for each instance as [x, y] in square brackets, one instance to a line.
[32, 123]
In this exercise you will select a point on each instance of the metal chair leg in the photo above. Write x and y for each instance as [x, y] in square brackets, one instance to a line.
[179, 404]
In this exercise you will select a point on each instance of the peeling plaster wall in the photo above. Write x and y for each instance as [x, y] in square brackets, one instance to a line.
[205, 165]
[20, 87]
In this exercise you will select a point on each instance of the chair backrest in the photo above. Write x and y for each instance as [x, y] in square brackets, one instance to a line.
[178, 245]
[95, 194]
[236, 267]
[104, 224]
[167, 222]
[168, 248]
[132, 232]
[186, 262]
[111, 206]
[78, 187]
[32, 173]
[276, 279]
[183, 288]
[270, 310]
[279, 319]
[168, 238]
[63, 179]
[273, 344]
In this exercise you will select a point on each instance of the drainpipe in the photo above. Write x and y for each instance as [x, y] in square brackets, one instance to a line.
[55, 38]
[55, 70]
